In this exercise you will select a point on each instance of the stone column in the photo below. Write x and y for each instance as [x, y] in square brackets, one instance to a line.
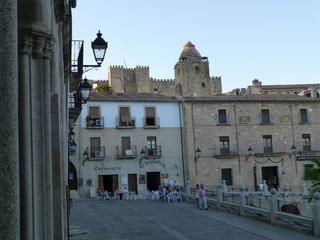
[243, 200]
[9, 146]
[316, 214]
[273, 203]
[26, 190]
[47, 143]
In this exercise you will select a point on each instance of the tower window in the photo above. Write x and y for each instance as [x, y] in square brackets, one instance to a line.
[196, 69]
[203, 84]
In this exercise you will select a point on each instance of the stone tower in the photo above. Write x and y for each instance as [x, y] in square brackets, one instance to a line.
[192, 76]
[129, 80]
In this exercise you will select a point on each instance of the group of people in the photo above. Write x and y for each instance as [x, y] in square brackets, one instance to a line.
[167, 189]
[200, 196]
[122, 194]
[103, 194]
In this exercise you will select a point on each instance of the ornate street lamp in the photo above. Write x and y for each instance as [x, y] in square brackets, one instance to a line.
[142, 155]
[85, 89]
[99, 47]
[197, 154]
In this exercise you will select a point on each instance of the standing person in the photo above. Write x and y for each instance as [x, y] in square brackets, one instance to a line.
[196, 195]
[203, 198]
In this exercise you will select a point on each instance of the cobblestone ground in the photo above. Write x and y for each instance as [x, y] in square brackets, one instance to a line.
[155, 220]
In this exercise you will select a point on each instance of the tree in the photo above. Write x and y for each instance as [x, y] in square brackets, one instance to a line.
[103, 88]
[313, 174]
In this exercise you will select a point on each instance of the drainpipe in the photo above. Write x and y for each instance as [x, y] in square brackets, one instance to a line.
[194, 141]
[237, 136]
[293, 139]
[182, 149]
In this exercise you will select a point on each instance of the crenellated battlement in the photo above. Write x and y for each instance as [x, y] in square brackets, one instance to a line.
[162, 80]
[128, 69]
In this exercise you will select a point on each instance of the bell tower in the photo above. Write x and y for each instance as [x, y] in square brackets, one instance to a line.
[192, 75]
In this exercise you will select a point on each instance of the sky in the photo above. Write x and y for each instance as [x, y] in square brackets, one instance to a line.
[276, 42]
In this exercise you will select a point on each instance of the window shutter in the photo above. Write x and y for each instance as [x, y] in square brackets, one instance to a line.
[94, 112]
[124, 114]
[150, 112]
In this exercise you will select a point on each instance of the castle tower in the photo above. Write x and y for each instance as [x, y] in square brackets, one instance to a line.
[129, 80]
[192, 74]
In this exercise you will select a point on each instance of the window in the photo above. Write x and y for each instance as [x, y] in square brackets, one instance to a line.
[94, 113]
[222, 114]
[124, 114]
[126, 147]
[303, 116]
[151, 145]
[226, 174]
[94, 119]
[267, 144]
[94, 146]
[224, 145]
[306, 142]
[265, 116]
[150, 116]
[196, 69]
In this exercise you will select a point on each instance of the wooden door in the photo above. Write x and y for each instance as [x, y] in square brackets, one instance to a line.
[132, 183]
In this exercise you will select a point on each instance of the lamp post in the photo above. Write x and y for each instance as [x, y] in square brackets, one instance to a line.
[142, 155]
[86, 156]
[85, 89]
[99, 47]
[294, 153]
[254, 168]
[197, 154]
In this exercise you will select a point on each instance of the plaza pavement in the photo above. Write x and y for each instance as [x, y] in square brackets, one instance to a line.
[93, 219]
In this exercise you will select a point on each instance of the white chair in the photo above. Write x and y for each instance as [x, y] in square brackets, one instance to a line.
[178, 197]
[171, 198]
[156, 195]
[132, 195]
[125, 196]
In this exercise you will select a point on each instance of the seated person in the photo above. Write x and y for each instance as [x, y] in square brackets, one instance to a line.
[125, 194]
[118, 193]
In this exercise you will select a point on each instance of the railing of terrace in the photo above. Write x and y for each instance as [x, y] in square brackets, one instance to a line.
[267, 207]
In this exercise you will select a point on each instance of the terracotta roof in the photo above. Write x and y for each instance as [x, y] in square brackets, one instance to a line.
[254, 98]
[150, 97]
[292, 86]
[130, 97]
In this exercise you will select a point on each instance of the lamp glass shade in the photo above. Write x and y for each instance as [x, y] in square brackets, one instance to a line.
[85, 90]
[250, 151]
[99, 47]
[142, 153]
[293, 149]
[72, 146]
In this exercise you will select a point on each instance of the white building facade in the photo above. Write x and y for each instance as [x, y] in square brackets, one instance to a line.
[113, 130]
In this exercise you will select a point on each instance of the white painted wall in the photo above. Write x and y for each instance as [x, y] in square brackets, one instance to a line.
[168, 112]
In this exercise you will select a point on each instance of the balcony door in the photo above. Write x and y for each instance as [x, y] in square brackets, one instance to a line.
[125, 115]
[94, 145]
[150, 116]
[126, 149]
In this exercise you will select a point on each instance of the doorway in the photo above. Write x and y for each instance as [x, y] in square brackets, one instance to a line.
[132, 183]
[270, 174]
[72, 177]
[153, 181]
[108, 182]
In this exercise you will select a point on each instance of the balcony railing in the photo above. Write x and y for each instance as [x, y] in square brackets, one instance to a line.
[153, 153]
[96, 153]
[126, 125]
[126, 152]
[151, 122]
[95, 122]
